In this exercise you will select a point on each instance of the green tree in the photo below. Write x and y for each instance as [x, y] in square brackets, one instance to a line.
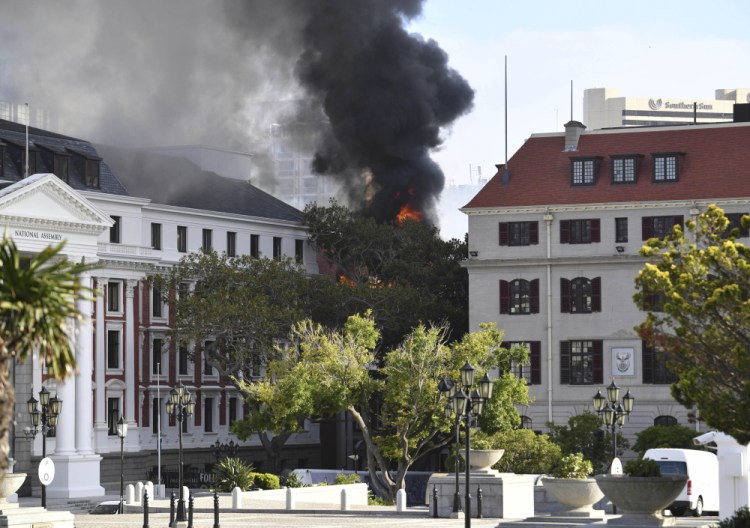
[38, 299]
[235, 308]
[403, 271]
[525, 451]
[583, 434]
[674, 436]
[696, 290]
[396, 403]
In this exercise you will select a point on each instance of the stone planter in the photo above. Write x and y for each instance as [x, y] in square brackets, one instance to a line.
[578, 496]
[642, 499]
[9, 484]
[483, 459]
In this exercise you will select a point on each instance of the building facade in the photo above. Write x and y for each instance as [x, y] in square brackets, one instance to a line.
[126, 364]
[606, 108]
[553, 252]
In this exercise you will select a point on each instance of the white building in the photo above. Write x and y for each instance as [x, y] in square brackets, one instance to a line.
[554, 240]
[133, 225]
[606, 108]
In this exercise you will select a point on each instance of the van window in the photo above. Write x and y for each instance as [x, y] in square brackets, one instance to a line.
[671, 467]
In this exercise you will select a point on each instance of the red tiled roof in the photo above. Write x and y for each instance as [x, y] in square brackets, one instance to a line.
[716, 164]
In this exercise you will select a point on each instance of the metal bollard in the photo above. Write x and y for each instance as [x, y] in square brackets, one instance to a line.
[145, 509]
[190, 511]
[171, 509]
[216, 509]
[479, 502]
[435, 501]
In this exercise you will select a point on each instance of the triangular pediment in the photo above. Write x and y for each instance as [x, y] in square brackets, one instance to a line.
[43, 200]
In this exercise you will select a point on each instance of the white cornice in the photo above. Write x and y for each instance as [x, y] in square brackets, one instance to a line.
[611, 206]
[605, 260]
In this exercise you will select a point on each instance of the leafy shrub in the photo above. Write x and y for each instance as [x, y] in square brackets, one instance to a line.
[346, 478]
[740, 519]
[233, 473]
[374, 500]
[292, 480]
[573, 466]
[266, 481]
[642, 467]
[674, 436]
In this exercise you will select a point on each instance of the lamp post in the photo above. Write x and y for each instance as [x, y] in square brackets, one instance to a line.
[613, 411]
[51, 408]
[447, 386]
[180, 405]
[122, 432]
[467, 404]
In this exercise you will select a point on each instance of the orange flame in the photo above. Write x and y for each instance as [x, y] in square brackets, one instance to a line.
[407, 213]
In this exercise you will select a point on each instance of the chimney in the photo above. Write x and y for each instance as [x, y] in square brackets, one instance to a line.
[573, 131]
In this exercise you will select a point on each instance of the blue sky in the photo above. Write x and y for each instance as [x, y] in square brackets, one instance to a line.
[648, 49]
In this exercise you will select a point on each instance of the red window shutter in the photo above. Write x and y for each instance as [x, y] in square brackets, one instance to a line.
[598, 361]
[504, 297]
[564, 231]
[535, 357]
[596, 294]
[533, 233]
[678, 220]
[564, 362]
[595, 230]
[564, 296]
[648, 363]
[534, 295]
[503, 233]
[647, 227]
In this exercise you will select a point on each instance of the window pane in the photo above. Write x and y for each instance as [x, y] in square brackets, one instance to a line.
[581, 363]
[156, 356]
[156, 236]
[114, 231]
[182, 239]
[113, 349]
[113, 296]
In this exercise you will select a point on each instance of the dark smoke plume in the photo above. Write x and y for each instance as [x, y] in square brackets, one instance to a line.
[363, 95]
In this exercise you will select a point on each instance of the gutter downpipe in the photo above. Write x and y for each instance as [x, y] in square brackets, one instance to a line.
[548, 221]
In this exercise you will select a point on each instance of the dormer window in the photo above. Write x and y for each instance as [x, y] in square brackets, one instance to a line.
[583, 170]
[61, 162]
[625, 168]
[666, 167]
[92, 172]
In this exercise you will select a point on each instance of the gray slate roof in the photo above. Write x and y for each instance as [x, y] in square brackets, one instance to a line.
[176, 181]
[13, 138]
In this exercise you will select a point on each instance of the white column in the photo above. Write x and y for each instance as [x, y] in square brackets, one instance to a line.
[66, 431]
[101, 347]
[130, 390]
[83, 384]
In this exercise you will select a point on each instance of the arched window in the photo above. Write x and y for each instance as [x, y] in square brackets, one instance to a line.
[665, 420]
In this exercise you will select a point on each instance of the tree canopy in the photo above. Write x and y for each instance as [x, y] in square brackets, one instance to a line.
[396, 403]
[402, 271]
[696, 291]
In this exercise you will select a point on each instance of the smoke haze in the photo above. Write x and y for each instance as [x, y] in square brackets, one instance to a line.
[369, 96]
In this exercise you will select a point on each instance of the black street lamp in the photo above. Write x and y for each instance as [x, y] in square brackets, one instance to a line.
[466, 405]
[447, 386]
[180, 405]
[51, 408]
[225, 450]
[613, 411]
[122, 432]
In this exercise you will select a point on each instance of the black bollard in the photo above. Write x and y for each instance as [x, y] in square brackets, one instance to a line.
[190, 511]
[171, 509]
[435, 501]
[145, 509]
[479, 502]
[216, 509]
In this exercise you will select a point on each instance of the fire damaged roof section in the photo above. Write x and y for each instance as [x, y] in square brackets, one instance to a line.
[175, 181]
[710, 161]
[75, 161]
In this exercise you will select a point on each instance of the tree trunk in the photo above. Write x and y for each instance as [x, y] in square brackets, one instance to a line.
[375, 460]
[7, 402]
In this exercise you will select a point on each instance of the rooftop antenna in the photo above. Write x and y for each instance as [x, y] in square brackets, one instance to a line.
[506, 111]
[506, 172]
[26, 166]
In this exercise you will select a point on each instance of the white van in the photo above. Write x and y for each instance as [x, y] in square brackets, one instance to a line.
[702, 468]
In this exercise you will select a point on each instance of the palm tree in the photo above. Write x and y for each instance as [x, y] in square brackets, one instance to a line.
[37, 304]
